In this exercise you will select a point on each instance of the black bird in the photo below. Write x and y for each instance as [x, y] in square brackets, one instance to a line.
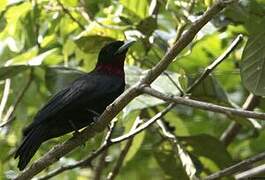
[77, 105]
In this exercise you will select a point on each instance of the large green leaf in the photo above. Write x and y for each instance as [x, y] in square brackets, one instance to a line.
[92, 43]
[139, 7]
[137, 140]
[166, 157]
[162, 83]
[210, 90]
[210, 151]
[253, 64]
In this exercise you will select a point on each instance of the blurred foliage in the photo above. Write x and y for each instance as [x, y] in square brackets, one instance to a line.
[47, 39]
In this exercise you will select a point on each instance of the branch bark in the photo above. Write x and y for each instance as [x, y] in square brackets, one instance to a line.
[252, 173]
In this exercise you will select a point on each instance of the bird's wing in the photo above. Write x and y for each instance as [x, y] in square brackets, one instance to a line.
[85, 88]
[63, 98]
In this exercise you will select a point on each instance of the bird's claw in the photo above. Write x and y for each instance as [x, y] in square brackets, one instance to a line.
[76, 133]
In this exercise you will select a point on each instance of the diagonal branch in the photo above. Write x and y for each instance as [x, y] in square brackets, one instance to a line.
[241, 166]
[70, 15]
[219, 60]
[111, 111]
[234, 128]
[88, 159]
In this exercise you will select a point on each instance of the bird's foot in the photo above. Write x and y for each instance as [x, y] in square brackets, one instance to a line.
[76, 133]
[95, 119]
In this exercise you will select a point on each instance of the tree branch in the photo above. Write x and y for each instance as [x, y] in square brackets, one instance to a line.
[184, 157]
[9, 117]
[252, 173]
[100, 166]
[88, 159]
[125, 150]
[233, 129]
[70, 15]
[219, 60]
[111, 111]
[4, 97]
[203, 105]
[241, 166]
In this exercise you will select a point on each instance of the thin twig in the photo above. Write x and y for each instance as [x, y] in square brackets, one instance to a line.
[102, 162]
[209, 69]
[70, 15]
[9, 117]
[4, 97]
[142, 127]
[234, 128]
[100, 166]
[241, 166]
[180, 151]
[124, 151]
[116, 169]
[87, 161]
[254, 172]
[219, 60]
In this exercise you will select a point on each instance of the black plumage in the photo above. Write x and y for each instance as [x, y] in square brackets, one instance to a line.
[79, 104]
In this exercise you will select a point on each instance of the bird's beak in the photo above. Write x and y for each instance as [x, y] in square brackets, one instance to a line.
[125, 46]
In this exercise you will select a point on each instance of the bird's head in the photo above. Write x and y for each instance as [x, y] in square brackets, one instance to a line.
[111, 57]
[114, 52]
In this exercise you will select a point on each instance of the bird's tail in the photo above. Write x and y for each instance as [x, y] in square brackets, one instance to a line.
[29, 146]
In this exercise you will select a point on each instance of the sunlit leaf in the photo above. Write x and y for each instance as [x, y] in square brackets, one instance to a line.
[169, 162]
[92, 44]
[139, 7]
[208, 156]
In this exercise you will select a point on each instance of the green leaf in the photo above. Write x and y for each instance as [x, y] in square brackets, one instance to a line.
[210, 151]
[92, 43]
[208, 3]
[210, 90]
[3, 23]
[71, 3]
[138, 7]
[24, 58]
[147, 26]
[136, 145]
[169, 162]
[3, 5]
[253, 64]
[162, 84]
